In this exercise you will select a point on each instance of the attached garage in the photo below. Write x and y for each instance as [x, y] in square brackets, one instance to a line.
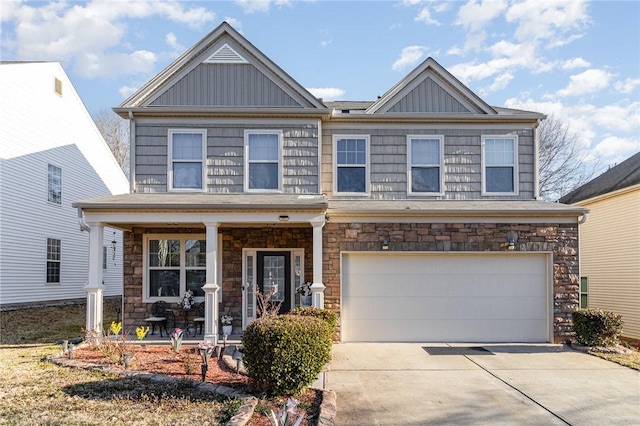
[446, 297]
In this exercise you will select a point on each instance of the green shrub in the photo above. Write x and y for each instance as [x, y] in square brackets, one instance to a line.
[285, 353]
[326, 315]
[596, 327]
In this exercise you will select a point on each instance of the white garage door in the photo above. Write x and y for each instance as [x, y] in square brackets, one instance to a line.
[391, 297]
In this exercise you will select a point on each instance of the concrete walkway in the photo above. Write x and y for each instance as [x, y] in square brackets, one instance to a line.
[419, 384]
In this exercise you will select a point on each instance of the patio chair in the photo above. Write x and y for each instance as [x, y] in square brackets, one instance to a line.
[158, 316]
[198, 321]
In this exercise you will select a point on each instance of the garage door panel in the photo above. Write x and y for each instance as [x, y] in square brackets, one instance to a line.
[497, 298]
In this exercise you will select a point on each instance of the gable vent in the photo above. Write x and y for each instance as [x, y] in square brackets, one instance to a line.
[225, 55]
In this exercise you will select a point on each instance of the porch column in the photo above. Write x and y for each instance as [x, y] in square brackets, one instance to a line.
[211, 287]
[94, 286]
[317, 288]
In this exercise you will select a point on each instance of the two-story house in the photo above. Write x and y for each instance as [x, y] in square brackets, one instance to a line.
[51, 154]
[414, 217]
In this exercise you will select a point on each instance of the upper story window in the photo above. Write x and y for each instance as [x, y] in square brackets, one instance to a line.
[499, 165]
[351, 164]
[53, 261]
[425, 170]
[263, 154]
[54, 184]
[187, 154]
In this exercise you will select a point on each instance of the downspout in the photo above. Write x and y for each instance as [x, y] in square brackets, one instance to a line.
[536, 153]
[319, 156]
[81, 222]
[583, 218]
[132, 153]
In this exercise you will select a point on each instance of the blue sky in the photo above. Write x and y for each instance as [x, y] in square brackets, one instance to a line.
[576, 60]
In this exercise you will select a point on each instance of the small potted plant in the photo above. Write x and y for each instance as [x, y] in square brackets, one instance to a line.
[187, 300]
[305, 294]
[227, 324]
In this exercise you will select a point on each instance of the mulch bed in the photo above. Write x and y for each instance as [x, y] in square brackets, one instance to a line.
[186, 365]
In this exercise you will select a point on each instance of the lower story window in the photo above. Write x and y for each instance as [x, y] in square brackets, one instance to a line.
[175, 264]
[584, 292]
[53, 260]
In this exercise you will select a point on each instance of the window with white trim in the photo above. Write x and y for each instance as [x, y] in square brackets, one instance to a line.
[173, 265]
[53, 261]
[187, 154]
[351, 164]
[584, 292]
[54, 184]
[425, 158]
[263, 165]
[499, 165]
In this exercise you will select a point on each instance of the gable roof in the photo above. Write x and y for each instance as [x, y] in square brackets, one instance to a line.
[430, 77]
[211, 59]
[621, 176]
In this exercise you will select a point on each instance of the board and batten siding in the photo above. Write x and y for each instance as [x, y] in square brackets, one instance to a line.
[226, 85]
[610, 256]
[225, 155]
[429, 96]
[462, 161]
[41, 127]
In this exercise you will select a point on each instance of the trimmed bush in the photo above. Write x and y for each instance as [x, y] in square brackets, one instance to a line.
[326, 315]
[596, 327]
[285, 353]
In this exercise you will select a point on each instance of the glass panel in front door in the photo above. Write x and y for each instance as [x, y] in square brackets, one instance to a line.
[274, 276]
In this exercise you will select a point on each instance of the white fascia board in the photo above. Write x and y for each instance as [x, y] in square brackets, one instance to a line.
[195, 217]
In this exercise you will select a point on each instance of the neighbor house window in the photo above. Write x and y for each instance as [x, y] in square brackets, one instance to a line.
[54, 184]
[425, 158]
[584, 292]
[500, 173]
[175, 264]
[53, 260]
[263, 153]
[187, 153]
[351, 164]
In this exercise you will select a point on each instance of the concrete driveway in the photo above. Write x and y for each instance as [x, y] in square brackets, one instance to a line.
[417, 384]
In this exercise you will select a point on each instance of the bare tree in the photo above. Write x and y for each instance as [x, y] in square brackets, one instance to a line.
[562, 162]
[115, 132]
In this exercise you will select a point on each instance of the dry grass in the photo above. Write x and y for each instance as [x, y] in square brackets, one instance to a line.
[631, 359]
[35, 392]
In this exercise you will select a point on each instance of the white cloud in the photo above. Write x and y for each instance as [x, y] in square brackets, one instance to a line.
[474, 15]
[615, 149]
[500, 82]
[126, 91]
[91, 36]
[235, 23]
[549, 19]
[172, 41]
[327, 93]
[589, 81]
[409, 56]
[627, 86]
[253, 6]
[425, 16]
[574, 63]
[622, 117]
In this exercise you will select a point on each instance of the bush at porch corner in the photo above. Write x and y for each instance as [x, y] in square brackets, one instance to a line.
[284, 354]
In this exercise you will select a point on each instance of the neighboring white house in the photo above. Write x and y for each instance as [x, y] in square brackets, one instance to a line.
[51, 154]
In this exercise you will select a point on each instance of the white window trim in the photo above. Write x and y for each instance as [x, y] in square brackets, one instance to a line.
[246, 158]
[170, 134]
[47, 260]
[440, 138]
[367, 165]
[183, 277]
[53, 203]
[515, 165]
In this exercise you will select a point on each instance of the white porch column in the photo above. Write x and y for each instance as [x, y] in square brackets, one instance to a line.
[94, 286]
[317, 288]
[211, 286]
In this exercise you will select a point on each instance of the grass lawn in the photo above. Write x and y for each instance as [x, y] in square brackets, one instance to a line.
[631, 360]
[35, 392]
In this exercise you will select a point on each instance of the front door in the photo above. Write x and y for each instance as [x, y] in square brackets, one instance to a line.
[274, 276]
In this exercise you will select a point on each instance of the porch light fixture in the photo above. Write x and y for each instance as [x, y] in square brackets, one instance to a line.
[283, 218]
[512, 239]
[385, 244]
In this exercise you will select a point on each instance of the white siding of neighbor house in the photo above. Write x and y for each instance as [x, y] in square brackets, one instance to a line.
[610, 256]
[40, 127]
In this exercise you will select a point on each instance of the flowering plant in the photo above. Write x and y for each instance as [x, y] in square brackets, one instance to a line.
[176, 339]
[285, 416]
[226, 320]
[206, 350]
[141, 332]
[187, 300]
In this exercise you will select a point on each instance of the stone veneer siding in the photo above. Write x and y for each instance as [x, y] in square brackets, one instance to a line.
[561, 239]
[233, 241]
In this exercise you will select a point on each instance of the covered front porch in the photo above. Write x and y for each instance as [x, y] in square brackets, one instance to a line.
[223, 248]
